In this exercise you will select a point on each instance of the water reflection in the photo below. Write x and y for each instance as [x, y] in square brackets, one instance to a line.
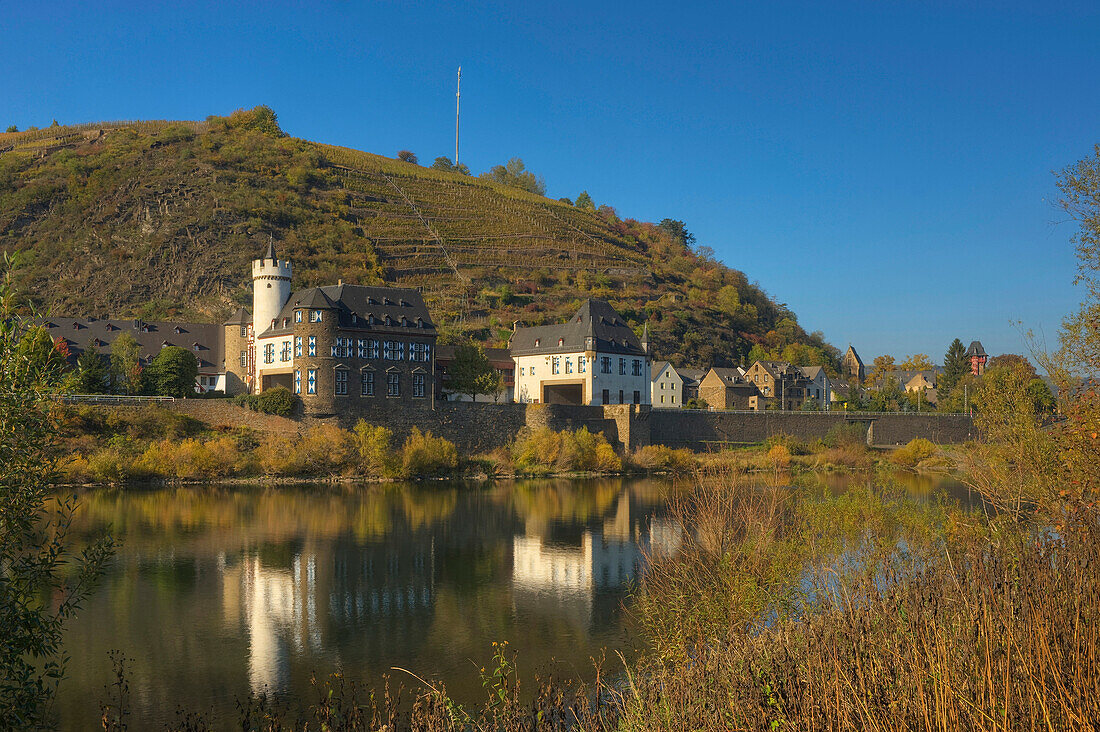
[217, 592]
[220, 592]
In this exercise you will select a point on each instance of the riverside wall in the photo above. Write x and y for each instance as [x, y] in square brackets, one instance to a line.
[481, 427]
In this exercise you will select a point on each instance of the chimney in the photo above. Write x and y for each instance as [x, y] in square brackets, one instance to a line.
[339, 283]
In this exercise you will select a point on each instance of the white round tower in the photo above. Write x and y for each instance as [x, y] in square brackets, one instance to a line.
[270, 288]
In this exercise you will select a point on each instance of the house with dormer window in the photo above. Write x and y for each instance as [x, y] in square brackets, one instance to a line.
[593, 358]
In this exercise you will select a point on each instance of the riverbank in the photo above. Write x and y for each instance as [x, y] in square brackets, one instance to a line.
[154, 446]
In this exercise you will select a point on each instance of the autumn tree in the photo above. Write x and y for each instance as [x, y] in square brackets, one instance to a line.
[917, 362]
[882, 369]
[514, 173]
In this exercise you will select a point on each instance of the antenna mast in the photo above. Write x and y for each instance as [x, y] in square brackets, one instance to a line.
[458, 100]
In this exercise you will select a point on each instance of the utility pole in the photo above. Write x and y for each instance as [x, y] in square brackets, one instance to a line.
[458, 100]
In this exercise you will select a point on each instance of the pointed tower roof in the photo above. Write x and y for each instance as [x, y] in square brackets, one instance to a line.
[240, 317]
[976, 349]
[270, 254]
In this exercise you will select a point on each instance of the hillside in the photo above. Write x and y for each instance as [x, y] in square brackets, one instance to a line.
[161, 219]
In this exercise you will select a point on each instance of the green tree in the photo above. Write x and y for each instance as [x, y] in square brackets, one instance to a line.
[44, 580]
[955, 366]
[585, 202]
[93, 375]
[12, 128]
[471, 373]
[678, 231]
[173, 372]
[126, 371]
[515, 173]
[444, 163]
[407, 156]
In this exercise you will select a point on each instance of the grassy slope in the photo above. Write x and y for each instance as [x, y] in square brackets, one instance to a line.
[161, 219]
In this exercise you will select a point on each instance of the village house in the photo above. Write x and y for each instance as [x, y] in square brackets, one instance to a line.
[667, 387]
[781, 385]
[818, 386]
[594, 358]
[691, 378]
[726, 388]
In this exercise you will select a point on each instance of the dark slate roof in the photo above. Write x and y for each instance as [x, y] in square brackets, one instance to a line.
[355, 304]
[241, 317]
[202, 339]
[691, 376]
[976, 349]
[595, 319]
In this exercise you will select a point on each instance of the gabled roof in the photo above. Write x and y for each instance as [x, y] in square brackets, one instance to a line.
[727, 375]
[354, 305]
[659, 368]
[595, 320]
[691, 376]
[976, 349]
[851, 351]
[811, 372]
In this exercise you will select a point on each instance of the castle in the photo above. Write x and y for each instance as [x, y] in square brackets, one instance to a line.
[329, 345]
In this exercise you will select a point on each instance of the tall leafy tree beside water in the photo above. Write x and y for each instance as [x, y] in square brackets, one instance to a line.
[43, 579]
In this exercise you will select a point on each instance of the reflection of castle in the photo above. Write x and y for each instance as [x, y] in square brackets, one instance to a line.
[566, 577]
[385, 591]
[279, 610]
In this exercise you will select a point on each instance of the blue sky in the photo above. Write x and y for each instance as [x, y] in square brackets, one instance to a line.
[885, 169]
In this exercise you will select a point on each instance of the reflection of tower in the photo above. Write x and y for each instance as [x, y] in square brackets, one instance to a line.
[279, 611]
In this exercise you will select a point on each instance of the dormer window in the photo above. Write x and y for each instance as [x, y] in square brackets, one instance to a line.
[354, 319]
[371, 301]
[274, 321]
[370, 319]
[178, 330]
[286, 322]
[389, 321]
[404, 322]
[561, 341]
[404, 303]
[195, 346]
[537, 341]
[420, 322]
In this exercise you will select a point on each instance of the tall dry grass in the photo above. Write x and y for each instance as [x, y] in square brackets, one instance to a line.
[985, 625]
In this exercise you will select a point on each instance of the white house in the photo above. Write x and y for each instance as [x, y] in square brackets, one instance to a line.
[594, 358]
[667, 387]
[819, 388]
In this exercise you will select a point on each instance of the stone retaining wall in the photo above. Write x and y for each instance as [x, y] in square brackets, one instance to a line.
[481, 427]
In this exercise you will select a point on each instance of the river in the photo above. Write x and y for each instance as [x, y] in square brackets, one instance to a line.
[220, 591]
